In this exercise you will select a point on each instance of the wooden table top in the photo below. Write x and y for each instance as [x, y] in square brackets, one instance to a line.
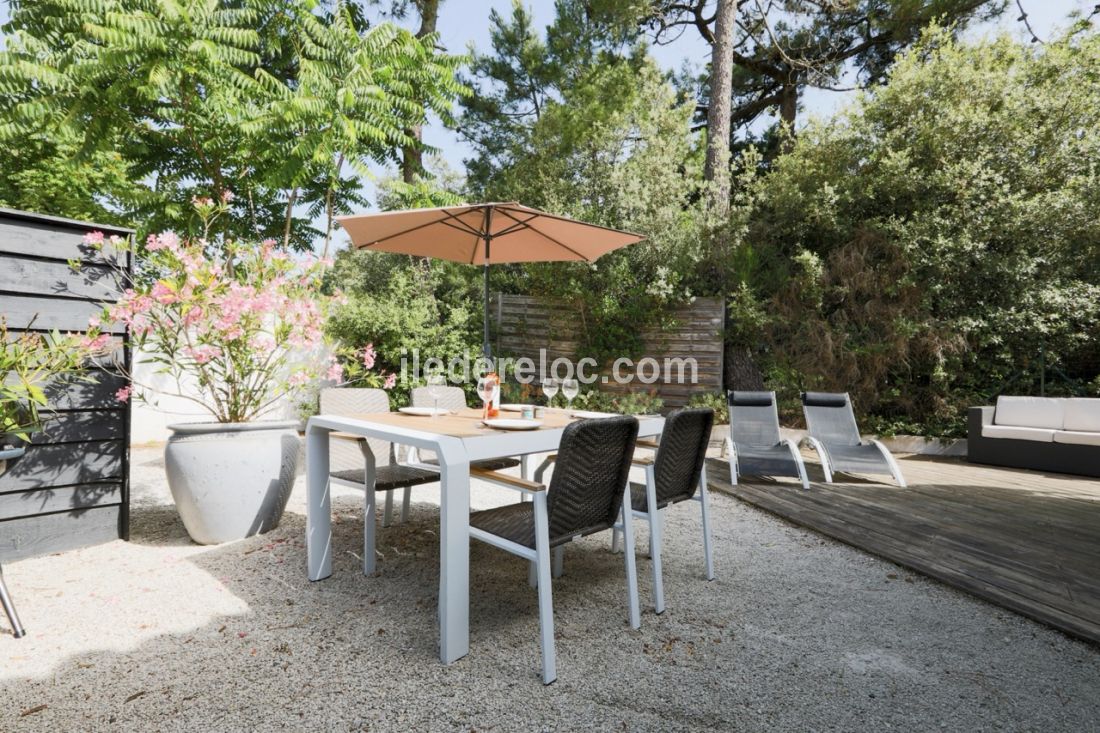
[461, 424]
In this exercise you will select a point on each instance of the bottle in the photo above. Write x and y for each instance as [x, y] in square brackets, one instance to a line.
[494, 404]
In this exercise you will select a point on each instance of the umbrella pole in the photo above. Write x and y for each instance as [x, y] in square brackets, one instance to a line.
[485, 344]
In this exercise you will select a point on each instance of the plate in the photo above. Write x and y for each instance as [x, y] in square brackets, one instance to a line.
[589, 415]
[423, 411]
[514, 408]
[504, 423]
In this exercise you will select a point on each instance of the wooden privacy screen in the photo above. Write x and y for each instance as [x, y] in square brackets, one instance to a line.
[526, 324]
[71, 489]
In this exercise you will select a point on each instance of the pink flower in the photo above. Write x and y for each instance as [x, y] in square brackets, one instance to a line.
[201, 201]
[391, 380]
[94, 322]
[335, 372]
[162, 293]
[227, 197]
[95, 343]
[298, 379]
[123, 395]
[164, 240]
[203, 353]
[193, 316]
[93, 238]
[369, 355]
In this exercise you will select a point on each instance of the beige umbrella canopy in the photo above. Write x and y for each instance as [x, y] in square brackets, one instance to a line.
[484, 234]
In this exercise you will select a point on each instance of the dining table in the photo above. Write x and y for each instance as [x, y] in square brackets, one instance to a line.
[456, 439]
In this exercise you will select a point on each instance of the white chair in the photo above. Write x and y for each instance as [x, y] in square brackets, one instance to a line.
[453, 398]
[348, 453]
[589, 492]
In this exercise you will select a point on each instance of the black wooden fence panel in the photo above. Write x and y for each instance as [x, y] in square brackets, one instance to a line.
[71, 489]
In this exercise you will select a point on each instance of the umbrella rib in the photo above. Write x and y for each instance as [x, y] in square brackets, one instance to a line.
[465, 227]
[504, 211]
[518, 226]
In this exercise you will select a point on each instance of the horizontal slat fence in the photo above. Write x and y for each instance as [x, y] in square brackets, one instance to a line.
[71, 489]
[525, 324]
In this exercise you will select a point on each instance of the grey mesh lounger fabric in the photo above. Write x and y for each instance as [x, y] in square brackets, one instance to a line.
[755, 445]
[832, 430]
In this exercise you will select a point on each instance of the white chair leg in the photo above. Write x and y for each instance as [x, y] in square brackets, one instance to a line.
[369, 506]
[895, 469]
[387, 513]
[405, 502]
[532, 574]
[628, 554]
[546, 602]
[798, 462]
[559, 560]
[732, 461]
[823, 457]
[616, 536]
[704, 502]
[655, 530]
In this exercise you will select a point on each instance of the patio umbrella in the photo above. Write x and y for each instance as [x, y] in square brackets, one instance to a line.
[484, 234]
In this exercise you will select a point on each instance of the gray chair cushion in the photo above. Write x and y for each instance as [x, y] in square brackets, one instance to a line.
[771, 460]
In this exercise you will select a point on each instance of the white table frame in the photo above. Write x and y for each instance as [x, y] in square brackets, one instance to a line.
[455, 455]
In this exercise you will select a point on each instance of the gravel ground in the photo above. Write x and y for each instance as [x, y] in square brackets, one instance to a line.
[797, 633]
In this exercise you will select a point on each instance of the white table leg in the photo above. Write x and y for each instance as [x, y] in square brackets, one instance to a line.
[454, 557]
[318, 505]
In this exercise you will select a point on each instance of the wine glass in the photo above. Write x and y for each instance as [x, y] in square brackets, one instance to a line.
[569, 389]
[436, 383]
[486, 389]
[549, 388]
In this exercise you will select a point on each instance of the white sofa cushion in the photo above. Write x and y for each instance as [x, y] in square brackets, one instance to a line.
[1042, 435]
[1076, 437]
[1030, 412]
[1082, 414]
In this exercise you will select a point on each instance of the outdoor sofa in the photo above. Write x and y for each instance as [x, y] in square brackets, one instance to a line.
[1042, 433]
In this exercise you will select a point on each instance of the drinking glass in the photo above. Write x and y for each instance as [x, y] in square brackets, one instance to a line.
[436, 383]
[570, 388]
[486, 389]
[549, 388]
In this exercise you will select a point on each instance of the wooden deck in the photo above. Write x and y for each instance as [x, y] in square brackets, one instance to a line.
[1024, 540]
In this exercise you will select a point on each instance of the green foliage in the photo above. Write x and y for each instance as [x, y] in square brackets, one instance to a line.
[392, 304]
[631, 403]
[581, 125]
[715, 401]
[921, 249]
[269, 101]
[27, 361]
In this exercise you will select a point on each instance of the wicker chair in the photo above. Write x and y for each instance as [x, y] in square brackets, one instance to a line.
[586, 495]
[755, 445]
[834, 434]
[9, 608]
[349, 456]
[453, 398]
[676, 473]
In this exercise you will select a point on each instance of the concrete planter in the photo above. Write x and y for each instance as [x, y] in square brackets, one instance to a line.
[231, 480]
[9, 453]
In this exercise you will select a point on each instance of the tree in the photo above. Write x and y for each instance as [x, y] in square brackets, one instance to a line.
[782, 48]
[261, 104]
[924, 248]
[717, 169]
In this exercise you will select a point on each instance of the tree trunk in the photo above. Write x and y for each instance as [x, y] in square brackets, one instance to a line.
[788, 110]
[740, 370]
[717, 168]
[412, 160]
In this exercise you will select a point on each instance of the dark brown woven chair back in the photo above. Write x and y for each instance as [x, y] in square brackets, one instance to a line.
[591, 472]
[682, 450]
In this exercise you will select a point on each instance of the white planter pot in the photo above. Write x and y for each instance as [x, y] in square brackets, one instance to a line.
[231, 480]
